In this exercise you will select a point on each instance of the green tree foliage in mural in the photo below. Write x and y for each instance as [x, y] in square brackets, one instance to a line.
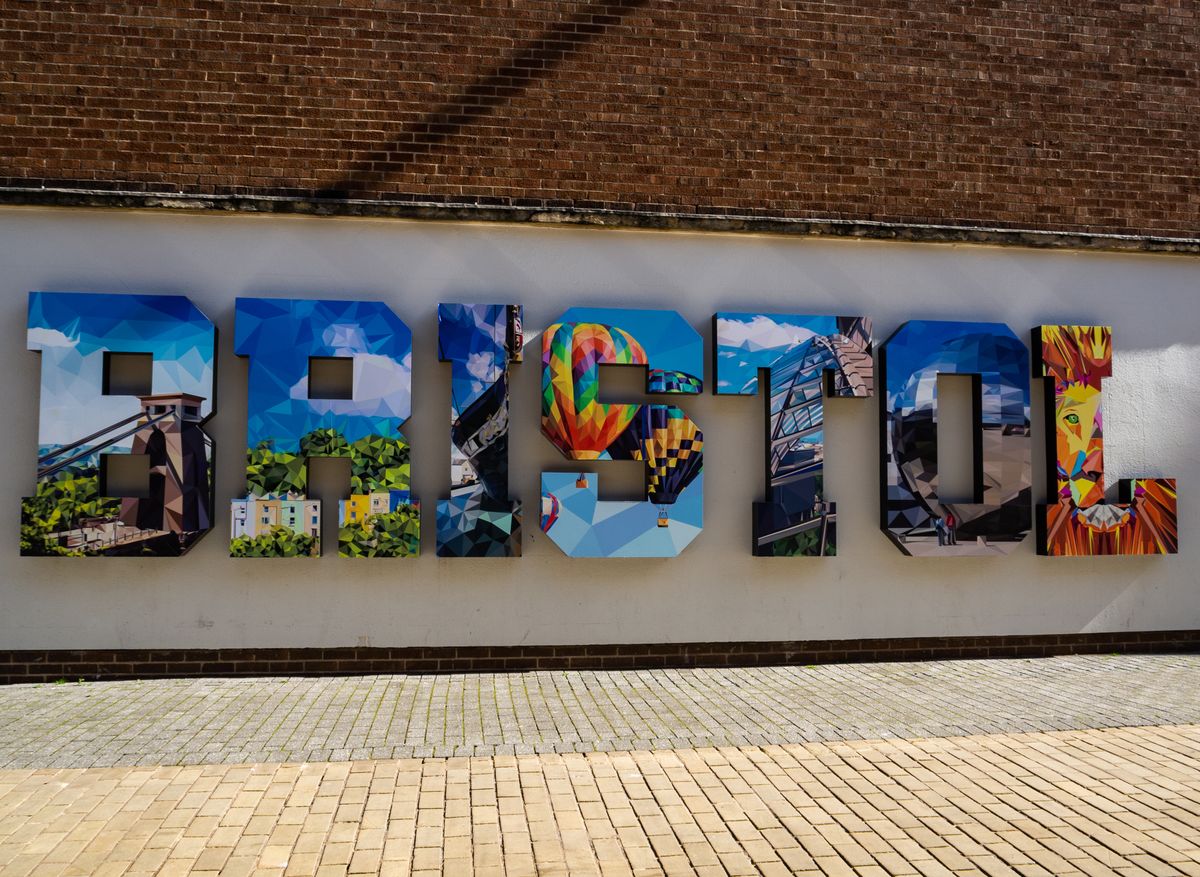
[37, 523]
[806, 544]
[324, 442]
[376, 463]
[62, 503]
[274, 472]
[394, 534]
[280, 542]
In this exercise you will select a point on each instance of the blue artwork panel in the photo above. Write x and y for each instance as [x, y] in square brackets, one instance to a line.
[479, 341]
[83, 423]
[806, 357]
[999, 516]
[286, 428]
[666, 440]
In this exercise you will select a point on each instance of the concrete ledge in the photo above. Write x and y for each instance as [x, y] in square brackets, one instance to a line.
[97, 664]
[597, 216]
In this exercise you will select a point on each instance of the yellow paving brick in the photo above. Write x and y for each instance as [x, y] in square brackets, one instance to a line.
[1090, 802]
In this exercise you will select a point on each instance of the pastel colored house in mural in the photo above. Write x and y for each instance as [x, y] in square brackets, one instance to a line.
[258, 516]
[354, 510]
[301, 516]
[360, 507]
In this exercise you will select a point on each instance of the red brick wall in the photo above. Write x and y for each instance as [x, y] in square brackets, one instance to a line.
[52, 665]
[1013, 113]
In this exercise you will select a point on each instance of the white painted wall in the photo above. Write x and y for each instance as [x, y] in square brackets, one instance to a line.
[716, 590]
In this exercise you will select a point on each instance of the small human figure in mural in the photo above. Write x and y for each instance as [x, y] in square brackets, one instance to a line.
[951, 529]
[939, 526]
[818, 506]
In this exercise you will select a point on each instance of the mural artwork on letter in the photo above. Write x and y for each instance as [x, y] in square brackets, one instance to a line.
[584, 428]
[1074, 360]
[479, 341]
[286, 428]
[913, 516]
[806, 356]
[85, 422]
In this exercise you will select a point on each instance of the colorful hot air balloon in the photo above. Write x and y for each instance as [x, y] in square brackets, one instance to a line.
[671, 445]
[572, 418]
[661, 381]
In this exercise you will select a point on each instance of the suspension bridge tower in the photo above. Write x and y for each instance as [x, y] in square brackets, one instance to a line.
[179, 498]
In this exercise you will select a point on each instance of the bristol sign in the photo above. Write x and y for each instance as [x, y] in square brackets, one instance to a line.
[794, 360]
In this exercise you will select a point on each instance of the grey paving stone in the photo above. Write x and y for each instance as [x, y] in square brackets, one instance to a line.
[227, 721]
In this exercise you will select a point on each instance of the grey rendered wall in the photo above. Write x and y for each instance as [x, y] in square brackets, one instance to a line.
[715, 591]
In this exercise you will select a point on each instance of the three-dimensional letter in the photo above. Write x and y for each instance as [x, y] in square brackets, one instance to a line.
[913, 516]
[1074, 360]
[286, 427]
[479, 341]
[84, 424]
[665, 439]
[805, 356]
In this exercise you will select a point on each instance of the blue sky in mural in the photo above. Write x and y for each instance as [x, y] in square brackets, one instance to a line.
[752, 341]
[73, 331]
[670, 342]
[279, 336]
[921, 349]
[587, 527]
[473, 337]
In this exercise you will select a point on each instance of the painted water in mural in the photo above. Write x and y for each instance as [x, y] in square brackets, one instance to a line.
[1080, 522]
[662, 437]
[914, 517]
[81, 423]
[286, 428]
[479, 342]
[806, 356]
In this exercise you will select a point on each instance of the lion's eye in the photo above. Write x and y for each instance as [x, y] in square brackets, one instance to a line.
[1072, 419]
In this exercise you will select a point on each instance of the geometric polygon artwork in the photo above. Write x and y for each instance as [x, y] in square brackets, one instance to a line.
[478, 519]
[286, 428]
[806, 357]
[913, 516]
[662, 437]
[80, 425]
[1079, 522]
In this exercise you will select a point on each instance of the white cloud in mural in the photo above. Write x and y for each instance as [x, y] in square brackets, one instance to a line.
[41, 338]
[346, 339]
[382, 388]
[381, 381]
[761, 333]
[481, 365]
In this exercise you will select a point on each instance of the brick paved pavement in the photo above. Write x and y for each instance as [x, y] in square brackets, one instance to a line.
[1119, 801]
[707, 772]
[201, 721]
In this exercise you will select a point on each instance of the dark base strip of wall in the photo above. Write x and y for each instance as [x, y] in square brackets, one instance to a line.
[96, 664]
